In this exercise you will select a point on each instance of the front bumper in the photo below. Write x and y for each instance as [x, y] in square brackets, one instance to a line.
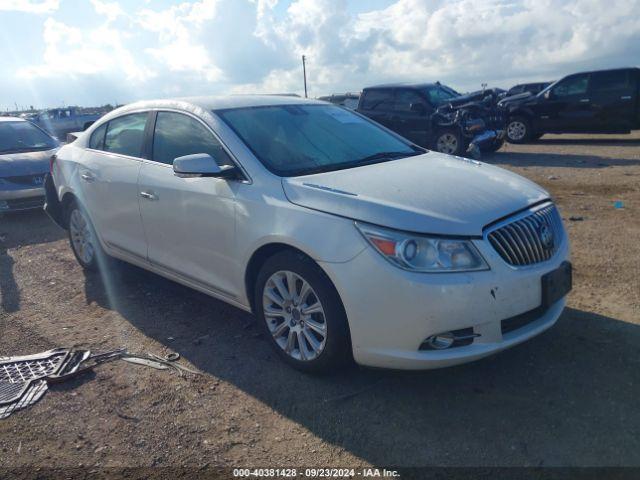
[19, 199]
[391, 311]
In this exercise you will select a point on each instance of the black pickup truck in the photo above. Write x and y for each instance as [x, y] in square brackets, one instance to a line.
[435, 116]
[604, 101]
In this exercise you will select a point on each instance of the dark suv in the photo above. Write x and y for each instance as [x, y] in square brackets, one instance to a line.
[435, 116]
[605, 101]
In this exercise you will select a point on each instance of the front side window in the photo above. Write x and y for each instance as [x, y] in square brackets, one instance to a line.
[378, 100]
[125, 135]
[439, 94]
[302, 139]
[23, 137]
[407, 101]
[177, 135]
[576, 85]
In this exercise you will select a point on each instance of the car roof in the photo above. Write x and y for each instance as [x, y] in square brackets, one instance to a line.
[401, 85]
[12, 119]
[604, 70]
[221, 102]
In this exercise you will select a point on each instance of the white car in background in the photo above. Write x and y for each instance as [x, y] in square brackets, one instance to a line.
[343, 238]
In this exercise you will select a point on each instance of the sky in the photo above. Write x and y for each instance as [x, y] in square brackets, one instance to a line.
[93, 52]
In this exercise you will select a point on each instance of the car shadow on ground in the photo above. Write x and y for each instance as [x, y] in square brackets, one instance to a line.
[605, 142]
[19, 230]
[541, 159]
[567, 397]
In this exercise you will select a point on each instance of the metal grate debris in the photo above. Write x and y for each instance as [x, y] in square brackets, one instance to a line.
[24, 380]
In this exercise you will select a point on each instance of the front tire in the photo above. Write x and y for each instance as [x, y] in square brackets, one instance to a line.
[82, 237]
[450, 141]
[519, 130]
[302, 314]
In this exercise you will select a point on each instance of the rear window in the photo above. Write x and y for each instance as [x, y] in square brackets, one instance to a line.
[125, 135]
[377, 100]
[23, 137]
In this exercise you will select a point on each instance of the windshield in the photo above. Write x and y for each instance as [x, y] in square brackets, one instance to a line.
[295, 140]
[23, 137]
[439, 94]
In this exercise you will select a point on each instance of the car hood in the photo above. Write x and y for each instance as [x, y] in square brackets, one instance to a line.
[25, 163]
[430, 193]
[517, 98]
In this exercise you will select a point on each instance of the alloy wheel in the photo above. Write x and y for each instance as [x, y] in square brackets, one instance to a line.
[447, 143]
[294, 315]
[81, 236]
[516, 130]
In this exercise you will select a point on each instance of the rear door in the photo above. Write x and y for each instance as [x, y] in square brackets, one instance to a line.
[612, 96]
[108, 183]
[409, 116]
[189, 222]
[568, 107]
[377, 104]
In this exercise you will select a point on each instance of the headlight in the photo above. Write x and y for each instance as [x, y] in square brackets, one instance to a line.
[423, 253]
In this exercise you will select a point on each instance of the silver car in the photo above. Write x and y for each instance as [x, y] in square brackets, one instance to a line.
[344, 239]
[25, 155]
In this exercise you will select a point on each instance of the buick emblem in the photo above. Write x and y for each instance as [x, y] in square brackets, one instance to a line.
[546, 236]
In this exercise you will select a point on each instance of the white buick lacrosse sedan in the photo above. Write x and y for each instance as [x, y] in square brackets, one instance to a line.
[344, 239]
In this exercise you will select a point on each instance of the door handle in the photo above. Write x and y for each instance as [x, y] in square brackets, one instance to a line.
[625, 97]
[87, 177]
[584, 100]
[148, 195]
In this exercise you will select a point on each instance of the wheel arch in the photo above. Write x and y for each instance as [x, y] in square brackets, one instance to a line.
[67, 199]
[257, 260]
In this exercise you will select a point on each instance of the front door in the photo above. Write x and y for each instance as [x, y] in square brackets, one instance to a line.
[108, 183]
[377, 104]
[409, 116]
[189, 222]
[567, 108]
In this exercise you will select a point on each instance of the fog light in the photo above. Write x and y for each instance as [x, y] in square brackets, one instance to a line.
[441, 341]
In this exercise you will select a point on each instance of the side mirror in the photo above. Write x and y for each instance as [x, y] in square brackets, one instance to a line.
[201, 165]
[417, 108]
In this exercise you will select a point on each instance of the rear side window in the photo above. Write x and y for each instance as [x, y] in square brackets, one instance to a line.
[606, 81]
[97, 138]
[125, 135]
[378, 100]
[177, 135]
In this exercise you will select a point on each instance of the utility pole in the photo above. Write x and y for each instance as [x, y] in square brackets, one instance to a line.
[304, 74]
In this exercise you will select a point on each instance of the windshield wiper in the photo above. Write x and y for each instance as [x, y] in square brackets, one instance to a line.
[384, 156]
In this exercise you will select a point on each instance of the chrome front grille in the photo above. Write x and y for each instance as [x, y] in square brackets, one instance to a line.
[529, 239]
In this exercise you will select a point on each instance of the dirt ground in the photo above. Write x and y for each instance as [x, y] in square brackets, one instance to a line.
[566, 398]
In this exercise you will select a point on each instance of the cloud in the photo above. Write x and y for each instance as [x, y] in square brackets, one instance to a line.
[177, 28]
[71, 52]
[220, 46]
[463, 42]
[110, 10]
[30, 6]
